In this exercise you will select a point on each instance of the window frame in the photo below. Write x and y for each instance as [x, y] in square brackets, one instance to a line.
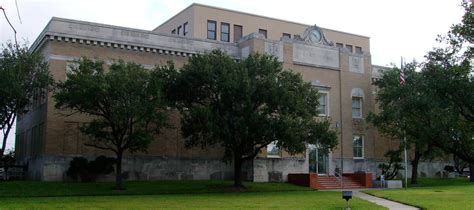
[264, 32]
[360, 107]
[339, 45]
[237, 38]
[173, 31]
[224, 34]
[358, 50]
[326, 114]
[185, 29]
[179, 30]
[215, 29]
[349, 48]
[287, 35]
[361, 146]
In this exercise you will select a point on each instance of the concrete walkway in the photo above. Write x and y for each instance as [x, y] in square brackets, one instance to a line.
[383, 202]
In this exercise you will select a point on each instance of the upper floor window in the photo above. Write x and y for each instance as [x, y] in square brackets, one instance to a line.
[357, 95]
[173, 31]
[358, 50]
[179, 30]
[286, 35]
[211, 29]
[339, 45]
[225, 32]
[263, 31]
[237, 32]
[185, 29]
[323, 104]
[356, 107]
[349, 47]
[358, 146]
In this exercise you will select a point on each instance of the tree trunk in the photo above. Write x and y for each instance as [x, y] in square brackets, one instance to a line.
[238, 172]
[8, 127]
[118, 172]
[471, 172]
[414, 168]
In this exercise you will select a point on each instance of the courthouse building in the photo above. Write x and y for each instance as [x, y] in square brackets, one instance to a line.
[335, 62]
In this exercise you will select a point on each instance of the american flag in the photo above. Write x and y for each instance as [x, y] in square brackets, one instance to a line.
[402, 73]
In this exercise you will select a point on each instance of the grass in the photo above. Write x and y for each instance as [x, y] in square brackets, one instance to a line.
[168, 195]
[434, 194]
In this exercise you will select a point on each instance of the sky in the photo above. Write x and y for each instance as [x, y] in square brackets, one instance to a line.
[396, 28]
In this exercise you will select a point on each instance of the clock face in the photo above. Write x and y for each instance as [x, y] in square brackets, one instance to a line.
[315, 36]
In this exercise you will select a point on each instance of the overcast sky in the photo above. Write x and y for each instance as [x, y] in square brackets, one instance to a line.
[396, 28]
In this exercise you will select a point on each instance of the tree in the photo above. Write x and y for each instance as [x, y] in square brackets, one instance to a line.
[22, 76]
[244, 106]
[126, 103]
[450, 76]
[408, 112]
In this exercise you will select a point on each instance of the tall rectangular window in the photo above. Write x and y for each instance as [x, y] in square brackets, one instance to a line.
[185, 29]
[356, 107]
[358, 50]
[349, 47]
[286, 35]
[358, 146]
[323, 104]
[225, 32]
[179, 30]
[211, 29]
[263, 31]
[237, 32]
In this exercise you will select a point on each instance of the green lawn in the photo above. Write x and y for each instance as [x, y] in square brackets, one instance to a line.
[168, 195]
[434, 194]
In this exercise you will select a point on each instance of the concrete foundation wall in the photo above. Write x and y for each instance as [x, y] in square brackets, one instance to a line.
[53, 168]
[277, 169]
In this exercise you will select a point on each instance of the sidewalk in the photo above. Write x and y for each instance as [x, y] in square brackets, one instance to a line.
[383, 202]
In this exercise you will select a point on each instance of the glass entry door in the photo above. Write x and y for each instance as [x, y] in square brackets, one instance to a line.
[318, 160]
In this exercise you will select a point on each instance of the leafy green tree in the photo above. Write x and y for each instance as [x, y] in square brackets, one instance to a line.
[126, 103]
[22, 75]
[408, 112]
[244, 106]
[450, 77]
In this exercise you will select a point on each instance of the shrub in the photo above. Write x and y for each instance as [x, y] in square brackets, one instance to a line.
[80, 167]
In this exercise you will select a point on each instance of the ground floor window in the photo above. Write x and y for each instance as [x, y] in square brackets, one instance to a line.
[358, 142]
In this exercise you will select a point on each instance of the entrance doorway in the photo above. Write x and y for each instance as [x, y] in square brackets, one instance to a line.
[318, 160]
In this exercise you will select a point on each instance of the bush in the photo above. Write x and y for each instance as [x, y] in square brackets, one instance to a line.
[80, 167]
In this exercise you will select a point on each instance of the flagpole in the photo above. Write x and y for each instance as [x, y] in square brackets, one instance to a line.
[406, 163]
[402, 82]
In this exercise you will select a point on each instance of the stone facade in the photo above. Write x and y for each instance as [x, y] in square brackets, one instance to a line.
[47, 140]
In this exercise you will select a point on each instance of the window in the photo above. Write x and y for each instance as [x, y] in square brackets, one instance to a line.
[185, 29]
[358, 146]
[273, 150]
[339, 45]
[225, 33]
[349, 47]
[211, 29]
[356, 107]
[173, 31]
[179, 30]
[237, 32]
[323, 104]
[285, 35]
[263, 31]
[358, 50]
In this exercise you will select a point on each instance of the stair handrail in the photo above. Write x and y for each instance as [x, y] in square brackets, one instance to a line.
[338, 175]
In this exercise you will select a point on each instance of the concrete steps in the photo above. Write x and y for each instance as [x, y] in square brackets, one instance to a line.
[331, 182]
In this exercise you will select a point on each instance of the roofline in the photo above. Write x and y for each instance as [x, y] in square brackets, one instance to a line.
[188, 7]
[260, 16]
